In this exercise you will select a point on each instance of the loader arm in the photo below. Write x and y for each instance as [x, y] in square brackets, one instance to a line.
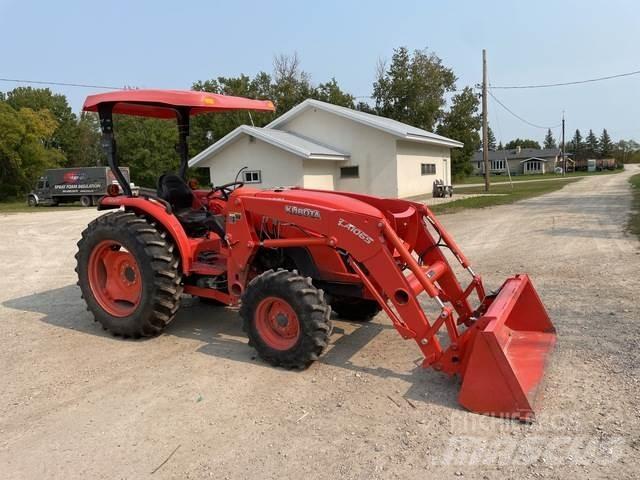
[395, 248]
[393, 269]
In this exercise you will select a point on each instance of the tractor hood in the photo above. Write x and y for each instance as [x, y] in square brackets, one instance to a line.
[322, 198]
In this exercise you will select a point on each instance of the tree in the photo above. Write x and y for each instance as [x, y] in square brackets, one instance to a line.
[626, 151]
[576, 145]
[65, 136]
[522, 143]
[591, 145]
[412, 88]
[500, 146]
[288, 86]
[23, 151]
[89, 149]
[211, 127]
[366, 108]
[491, 140]
[462, 122]
[146, 146]
[291, 85]
[606, 145]
[330, 92]
[549, 141]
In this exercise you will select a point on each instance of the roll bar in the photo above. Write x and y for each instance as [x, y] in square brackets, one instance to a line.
[105, 113]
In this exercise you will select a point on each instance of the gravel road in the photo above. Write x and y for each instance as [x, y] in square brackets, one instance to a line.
[77, 403]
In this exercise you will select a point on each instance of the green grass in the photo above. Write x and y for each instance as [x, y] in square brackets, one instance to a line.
[18, 206]
[522, 178]
[505, 195]
[634, 220]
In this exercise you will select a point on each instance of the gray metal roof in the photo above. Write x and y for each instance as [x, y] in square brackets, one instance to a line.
[393, 127]
[524, 153]
[290, 142]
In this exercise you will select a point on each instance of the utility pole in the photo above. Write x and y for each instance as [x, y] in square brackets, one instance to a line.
[564, 157]
[485, 127]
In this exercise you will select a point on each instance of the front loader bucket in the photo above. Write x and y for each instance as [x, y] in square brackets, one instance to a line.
[508, 354]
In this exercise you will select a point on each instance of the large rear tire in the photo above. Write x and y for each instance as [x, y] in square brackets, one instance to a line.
[85, 201]
[286, 318]
[128, 272]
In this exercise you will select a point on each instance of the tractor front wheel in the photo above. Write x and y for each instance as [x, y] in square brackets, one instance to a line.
[286, 318]
[128, 272]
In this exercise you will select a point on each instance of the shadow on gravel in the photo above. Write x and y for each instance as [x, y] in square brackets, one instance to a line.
[61, 307]
[220, 330]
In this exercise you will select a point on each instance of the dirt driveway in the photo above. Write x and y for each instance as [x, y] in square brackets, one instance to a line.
[77, 403]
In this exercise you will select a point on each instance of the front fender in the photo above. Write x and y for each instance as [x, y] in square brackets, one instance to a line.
[158, 212]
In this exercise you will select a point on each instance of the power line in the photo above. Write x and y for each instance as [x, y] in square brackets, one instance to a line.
[562, 84]
[60, 84]
[446, 93]
[518, 116]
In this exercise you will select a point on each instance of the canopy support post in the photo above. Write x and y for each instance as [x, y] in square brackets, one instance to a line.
[105, 112]
[183, 134]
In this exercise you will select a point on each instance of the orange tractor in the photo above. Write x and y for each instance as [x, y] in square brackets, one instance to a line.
[289, 256]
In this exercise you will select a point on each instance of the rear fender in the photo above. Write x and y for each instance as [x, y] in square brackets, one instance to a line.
[158, 212]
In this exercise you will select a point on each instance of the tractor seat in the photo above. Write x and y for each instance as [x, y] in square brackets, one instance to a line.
[175, 190]
[196, 223]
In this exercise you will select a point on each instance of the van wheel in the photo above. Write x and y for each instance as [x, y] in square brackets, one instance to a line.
[31, 201]
[85, 201]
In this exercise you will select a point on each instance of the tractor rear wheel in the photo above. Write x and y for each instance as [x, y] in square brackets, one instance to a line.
[355, 309]
[286, 318]
[129, 274]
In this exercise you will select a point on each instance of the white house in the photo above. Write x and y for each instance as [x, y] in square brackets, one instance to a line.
[519, 161]
[324, 146]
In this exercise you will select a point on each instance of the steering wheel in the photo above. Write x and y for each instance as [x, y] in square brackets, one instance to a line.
[225, 189]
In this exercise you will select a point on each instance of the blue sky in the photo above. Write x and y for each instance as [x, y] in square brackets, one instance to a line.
[171, 44]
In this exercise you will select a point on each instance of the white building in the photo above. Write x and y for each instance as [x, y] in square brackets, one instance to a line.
[324, 146]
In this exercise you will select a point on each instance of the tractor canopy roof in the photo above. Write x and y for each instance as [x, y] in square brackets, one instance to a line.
[163, 103]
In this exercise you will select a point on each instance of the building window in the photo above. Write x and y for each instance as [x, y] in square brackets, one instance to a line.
[350, 172]
[533, 166]
[498, 164]
[428, 168]
[251, 176]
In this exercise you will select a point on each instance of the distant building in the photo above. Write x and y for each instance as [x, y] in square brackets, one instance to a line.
[593, 164]
[328, 147]
[519, 161]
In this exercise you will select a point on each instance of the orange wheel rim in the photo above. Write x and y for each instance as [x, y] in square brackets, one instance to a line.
[277, 323]
[114, 278]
